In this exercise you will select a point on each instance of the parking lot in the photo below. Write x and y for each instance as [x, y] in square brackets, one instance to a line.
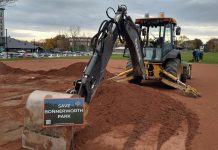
[47, 54]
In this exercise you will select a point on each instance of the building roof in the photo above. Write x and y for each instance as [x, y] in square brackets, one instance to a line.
[16, 44]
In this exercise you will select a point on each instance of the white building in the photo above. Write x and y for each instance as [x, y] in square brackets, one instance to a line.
[80, 43]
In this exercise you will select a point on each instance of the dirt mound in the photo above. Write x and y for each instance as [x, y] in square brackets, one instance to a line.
[117, 104]
[75, 70]
[4, 69]
[72, 70]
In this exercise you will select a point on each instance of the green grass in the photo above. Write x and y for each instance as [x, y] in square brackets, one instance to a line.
[118, 57]
[114, 57]
[13, 59]
[209, 58]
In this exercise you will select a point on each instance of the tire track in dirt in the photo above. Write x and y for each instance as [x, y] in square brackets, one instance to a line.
[120, 104]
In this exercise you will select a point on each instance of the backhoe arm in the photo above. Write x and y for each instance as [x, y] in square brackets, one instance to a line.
[102, 45]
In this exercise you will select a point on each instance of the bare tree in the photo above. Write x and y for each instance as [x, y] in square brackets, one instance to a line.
[64, 32]
[6, 2]
[74, 32]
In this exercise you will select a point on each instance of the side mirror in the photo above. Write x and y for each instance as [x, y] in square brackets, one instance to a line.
[178, 31]
[144, 32]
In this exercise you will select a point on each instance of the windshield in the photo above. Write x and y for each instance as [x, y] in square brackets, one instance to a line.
[154, 34]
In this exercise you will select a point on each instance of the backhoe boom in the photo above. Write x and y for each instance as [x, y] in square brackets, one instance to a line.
[102, 45]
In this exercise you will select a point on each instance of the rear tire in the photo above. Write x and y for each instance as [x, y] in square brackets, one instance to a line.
[173, 66]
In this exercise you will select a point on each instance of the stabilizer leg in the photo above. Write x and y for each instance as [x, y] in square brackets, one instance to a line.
[187, 89]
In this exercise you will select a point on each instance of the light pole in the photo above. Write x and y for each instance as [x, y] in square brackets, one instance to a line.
[6, 41]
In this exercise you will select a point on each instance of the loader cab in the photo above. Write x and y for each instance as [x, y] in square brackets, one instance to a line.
[158, 37]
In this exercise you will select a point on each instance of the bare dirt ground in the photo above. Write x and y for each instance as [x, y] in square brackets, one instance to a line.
[122, 115]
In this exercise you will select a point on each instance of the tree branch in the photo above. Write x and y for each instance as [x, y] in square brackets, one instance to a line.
[6, 2]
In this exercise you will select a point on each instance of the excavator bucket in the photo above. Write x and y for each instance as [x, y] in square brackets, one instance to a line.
[35, 135]
[192, 91]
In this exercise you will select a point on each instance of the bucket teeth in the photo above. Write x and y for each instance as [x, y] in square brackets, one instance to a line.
[192, 91]
[186, 89]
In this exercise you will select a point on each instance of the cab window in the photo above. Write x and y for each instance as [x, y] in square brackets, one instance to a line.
[167, 39]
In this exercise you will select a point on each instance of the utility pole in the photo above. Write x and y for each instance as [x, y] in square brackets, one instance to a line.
[6, 41]
[34, 45]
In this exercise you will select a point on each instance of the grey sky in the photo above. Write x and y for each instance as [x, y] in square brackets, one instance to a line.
[29, 19]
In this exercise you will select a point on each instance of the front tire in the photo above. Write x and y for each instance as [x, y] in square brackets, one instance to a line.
[184, 75]
[189, 72]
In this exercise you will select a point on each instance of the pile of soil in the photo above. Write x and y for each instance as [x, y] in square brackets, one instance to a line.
[118, 104]
[4, 69]
[75, 70]
[72, 70]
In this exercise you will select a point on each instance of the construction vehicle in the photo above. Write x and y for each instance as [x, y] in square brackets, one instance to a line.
[149, 60]
[161, 56]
